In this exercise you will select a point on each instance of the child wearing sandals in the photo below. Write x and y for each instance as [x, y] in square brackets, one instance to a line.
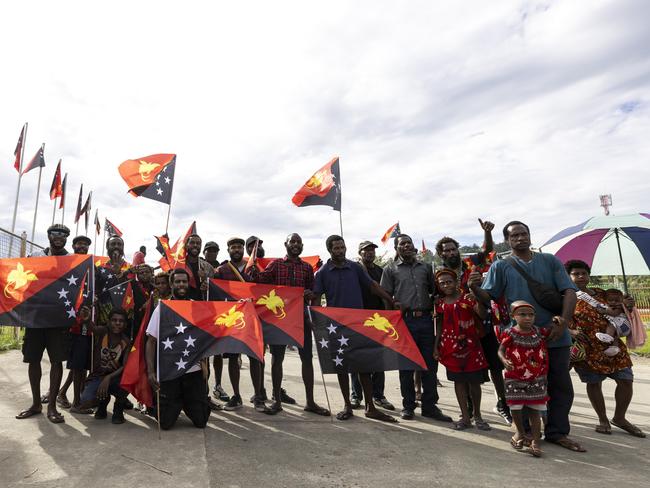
[458, 346]
[525, 357]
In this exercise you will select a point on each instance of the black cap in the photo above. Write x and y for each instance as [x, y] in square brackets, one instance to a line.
[235, 240]
[59, 228]
[365, 244]
[210, 244]
[252, 239]
[81, 238]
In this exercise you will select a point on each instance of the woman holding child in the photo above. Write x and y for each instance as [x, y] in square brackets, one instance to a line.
[594, 361]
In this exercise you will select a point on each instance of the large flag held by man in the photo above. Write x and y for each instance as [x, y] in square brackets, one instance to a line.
[150, 176]
[189, 331]
[363, 341]
[42, 292]
[280, 308]
[323, 188]
[134, 377]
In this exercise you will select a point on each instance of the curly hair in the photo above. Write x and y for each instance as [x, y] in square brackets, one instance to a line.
[576, 264]
[443, 241]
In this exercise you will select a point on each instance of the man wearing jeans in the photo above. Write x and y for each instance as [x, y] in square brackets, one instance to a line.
[410, 282]
[503, 279]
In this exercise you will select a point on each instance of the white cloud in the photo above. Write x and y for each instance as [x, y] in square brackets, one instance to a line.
[441, 113]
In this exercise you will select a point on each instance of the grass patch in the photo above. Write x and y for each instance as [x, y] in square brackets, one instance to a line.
[645, 350]
[9, 340]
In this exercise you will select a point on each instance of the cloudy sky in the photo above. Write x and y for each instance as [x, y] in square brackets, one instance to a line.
[441, 112]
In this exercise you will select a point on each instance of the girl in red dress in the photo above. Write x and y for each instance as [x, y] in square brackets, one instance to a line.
[458, 346]
[525, 356]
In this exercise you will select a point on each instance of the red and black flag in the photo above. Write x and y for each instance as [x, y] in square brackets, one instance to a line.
[86, 208]
[38, 161]
[78, 213]
[134, 376]
[43, 292]
[63, 189]
[128, 303]
[252, 260]
[280, 308]
[98, 226]
[56, 190]
[18, 152]
[314, 261]
[362, 341]
[175, 256]
[393, 231]
[111, 230]
[323, 188]
[162, 244]
[150, 176]
[189, 331]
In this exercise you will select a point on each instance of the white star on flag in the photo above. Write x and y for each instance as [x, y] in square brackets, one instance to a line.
[159, 191]
[323, 343]
[338, 361]
[67, 303]
[71, 313]
[331, 328]
[186, 353]
[180, 363]
[190, 341]
[63, 293]
[168, 343]
[72, 280]
[180, 328]
[167, 180]
[340, 351]
[343, 340]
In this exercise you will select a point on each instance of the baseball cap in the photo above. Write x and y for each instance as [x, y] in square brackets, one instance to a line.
[210, 244]
[81, 238]
[235, 240]
[365, 244]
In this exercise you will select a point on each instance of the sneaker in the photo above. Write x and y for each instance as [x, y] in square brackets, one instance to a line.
[355, 402]
[234, 403]
[384, 403]
[436, 414]
[262, 397]
[285, 398]
[407, 414]
[220, 394]
[502, 410]
[128, 405]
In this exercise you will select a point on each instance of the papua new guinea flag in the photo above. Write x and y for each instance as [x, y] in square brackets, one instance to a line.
[191, 330]
[41, 292]
[363, 341]
[134, 377]
[323, 188]
[280, 308]
[150, 176]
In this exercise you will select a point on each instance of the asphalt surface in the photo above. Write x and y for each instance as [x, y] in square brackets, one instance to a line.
[296, 449]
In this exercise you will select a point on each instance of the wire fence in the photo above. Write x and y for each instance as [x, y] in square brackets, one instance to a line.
[14, 246]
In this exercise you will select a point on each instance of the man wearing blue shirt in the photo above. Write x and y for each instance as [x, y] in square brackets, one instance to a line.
[342, 282]
[504, 280]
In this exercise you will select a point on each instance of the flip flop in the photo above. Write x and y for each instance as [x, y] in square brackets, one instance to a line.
[517, 444]
[318, 410]
[604, 429]
[45, 398]
[569, 444]
[25, 414]
[630, 429]
[535, 450]
[460, 425]
[344, 415]
[482, 425]
[81, 411]
[377, 415]
[55, 418]
[63, 402]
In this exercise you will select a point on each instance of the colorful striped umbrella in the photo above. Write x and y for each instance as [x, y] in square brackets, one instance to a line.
[611, 245]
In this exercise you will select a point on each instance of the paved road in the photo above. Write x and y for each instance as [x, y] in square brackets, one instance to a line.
[295, 449]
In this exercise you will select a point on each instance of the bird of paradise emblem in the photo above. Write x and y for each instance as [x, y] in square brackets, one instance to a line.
[179, 255]
[18, 281]
[321, 179]
[274, 303]
[231, 318]
[383, 324]
[145, 170]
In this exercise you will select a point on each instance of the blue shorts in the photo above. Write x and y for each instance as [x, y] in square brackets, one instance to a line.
[590, 377]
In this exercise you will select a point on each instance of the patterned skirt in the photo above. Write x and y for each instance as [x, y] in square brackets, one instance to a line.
[532, 392]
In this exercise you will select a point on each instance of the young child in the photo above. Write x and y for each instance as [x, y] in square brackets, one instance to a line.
[525, 356]
[110, 354]
[619, 325]
[458, 346]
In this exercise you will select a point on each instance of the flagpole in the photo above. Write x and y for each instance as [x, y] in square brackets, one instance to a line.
[20, 176]
[340, 196]
[169, 211]
[54, 211]
[327, 397]
[158, 380]
[38, 192]
[65, 191]
[341, 221]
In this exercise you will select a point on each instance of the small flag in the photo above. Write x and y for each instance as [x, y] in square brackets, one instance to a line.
[323, 188]
[162, 244]
[63, 189]
[98, 227]
[18, 152]
[150, 176]
[56, 190]
[174, 257]
[111, 230]
[280, 308]
[128, 303]
[362, 341]
[86, 208]
[40, 292]
[134, 376]
[38, 161]
[393, 231]
[77, 215]
[190, 331]
[252, 260]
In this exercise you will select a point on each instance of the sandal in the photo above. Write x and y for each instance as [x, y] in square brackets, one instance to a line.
[461, 425]
[482, 424]
[630, 429]
[344, 414]
[517, 444]
[377, 415]
[81, 411]
[63, 402]
[604, 429]
[55, 418]
[318, 410]
[534, 449]
[567, 443]
[25, 414]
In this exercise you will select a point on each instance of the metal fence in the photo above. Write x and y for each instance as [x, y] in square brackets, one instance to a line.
[14, 246]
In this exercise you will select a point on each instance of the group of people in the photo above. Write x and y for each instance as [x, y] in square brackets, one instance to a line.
[477, 315]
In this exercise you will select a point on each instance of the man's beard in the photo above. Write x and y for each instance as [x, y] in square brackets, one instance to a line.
[453, 262]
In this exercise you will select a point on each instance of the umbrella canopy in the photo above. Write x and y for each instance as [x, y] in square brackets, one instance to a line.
[606, 244]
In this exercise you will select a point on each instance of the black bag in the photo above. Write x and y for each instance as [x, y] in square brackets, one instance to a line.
[547, 296]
